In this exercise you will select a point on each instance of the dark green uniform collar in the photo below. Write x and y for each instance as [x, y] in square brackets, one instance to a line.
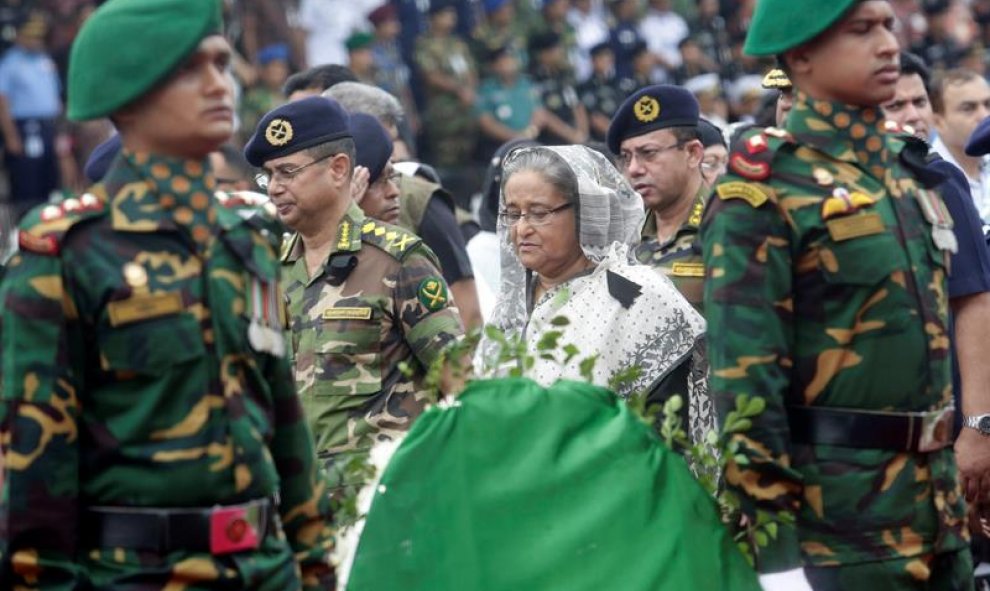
[693, 222]
[845, 132]
[348, 236]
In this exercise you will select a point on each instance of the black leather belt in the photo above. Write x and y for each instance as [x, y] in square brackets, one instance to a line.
[222, 529]
[896, 431]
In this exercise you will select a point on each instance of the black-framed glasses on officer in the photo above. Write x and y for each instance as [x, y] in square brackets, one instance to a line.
[646, 154]
[285, 174]
[535, 217]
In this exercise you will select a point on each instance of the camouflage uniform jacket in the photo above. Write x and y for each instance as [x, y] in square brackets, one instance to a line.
[129, 381]
[824, 288]
[379, 301]
[679, 257]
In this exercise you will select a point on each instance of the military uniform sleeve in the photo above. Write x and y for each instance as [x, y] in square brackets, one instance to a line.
[304, 501]
[424, 307]
[748, 306]
[39, 519]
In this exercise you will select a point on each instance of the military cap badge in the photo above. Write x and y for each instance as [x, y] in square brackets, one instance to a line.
[279, 132]
[646, 109]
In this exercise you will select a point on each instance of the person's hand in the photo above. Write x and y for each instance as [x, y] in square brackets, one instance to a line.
[359, 183]
[973, 458]
[466, 96]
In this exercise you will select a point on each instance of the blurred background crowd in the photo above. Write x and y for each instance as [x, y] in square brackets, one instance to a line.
[470, 74]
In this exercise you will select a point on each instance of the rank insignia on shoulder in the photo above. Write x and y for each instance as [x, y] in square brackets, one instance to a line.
[778, 133]
[38, 244]
[842, 202]
[745, 191]
[755, 171]
[432, 294]
[756, 144]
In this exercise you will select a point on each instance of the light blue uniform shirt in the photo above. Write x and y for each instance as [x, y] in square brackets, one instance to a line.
[29, 81]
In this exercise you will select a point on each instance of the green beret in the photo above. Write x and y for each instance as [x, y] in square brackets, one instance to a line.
[127, 46]
[779, 25]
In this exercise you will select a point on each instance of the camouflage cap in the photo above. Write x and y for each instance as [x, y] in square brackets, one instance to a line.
[128, 46]
[779, 25]
[776, 79]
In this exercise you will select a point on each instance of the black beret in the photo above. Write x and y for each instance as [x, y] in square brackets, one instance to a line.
[296, 126]
[651, 108]
[99, 161]
[372, 142]
[544, 40]
[709, 134]
[497, 51]
[598, 48]
[440, 5]
[979, 142]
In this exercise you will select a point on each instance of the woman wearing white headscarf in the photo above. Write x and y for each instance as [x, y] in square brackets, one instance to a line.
[567, 219]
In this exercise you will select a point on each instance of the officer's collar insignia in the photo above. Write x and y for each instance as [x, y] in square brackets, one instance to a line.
[646, 109]
[432, 293]
[842, 202]
[279, 132]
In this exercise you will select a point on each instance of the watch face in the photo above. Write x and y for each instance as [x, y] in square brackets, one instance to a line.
[985, 424]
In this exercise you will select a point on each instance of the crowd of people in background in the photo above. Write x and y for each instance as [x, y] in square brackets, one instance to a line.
[470, 74]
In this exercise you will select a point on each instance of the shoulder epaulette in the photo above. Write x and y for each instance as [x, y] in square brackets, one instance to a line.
[43, 228]
[392, 239]
[256, 209]
[751, 155]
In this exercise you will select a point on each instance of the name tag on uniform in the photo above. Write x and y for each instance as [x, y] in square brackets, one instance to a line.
[347, 314]
[855, 226]
[144, 307]
[688, 270]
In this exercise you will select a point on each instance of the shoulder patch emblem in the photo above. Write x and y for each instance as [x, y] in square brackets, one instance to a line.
[756, 171]
[745, 191]
[433, 294]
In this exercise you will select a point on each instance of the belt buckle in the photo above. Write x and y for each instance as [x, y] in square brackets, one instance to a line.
[936, 429]
[235, 529]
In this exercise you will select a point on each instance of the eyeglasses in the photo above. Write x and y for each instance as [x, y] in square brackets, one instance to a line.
[714, 163]
[284, 176]
[646, 155]
[536, 217]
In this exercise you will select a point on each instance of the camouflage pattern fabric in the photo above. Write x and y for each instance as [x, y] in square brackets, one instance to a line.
[349, 340]
[451, 128]
[827, 290]
[254, 104]
[679, 257]
[952, 570]
[128, 381]
[600, 96]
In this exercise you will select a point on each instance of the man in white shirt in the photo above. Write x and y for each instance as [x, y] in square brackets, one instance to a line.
[961, 99]
[663, 30]
[328, 24]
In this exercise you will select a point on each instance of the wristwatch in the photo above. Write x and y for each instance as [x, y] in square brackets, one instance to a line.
[979, 422]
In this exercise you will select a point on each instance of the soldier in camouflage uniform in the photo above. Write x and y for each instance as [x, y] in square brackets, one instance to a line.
[151, 432]
[600, 93]
[364, 296]
[826, 292]
[451, 79]
[655, 134]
